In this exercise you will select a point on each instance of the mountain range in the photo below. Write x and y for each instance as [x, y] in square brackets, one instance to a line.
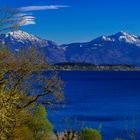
[118, 49]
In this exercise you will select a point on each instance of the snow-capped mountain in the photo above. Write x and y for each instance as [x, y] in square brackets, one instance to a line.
[19, 39]
[119, 38]
[120, 48]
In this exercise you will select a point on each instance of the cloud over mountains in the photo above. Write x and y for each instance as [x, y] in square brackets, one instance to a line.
[37, 8]
[28, 18]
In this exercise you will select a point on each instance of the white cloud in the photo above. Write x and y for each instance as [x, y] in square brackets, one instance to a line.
[25, 19]
[37, 8]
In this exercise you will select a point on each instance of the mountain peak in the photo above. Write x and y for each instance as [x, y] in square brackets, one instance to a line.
[121, 33]
[119, 48]
[19, 34]
[20, 38]
[126, 38]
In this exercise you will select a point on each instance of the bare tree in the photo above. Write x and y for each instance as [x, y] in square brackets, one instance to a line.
[9, 19]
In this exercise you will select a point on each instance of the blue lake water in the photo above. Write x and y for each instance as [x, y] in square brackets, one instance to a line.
[106, 99]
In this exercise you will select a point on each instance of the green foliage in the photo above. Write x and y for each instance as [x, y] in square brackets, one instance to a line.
[16, 72]
[89, 134]
[8, 114]
[23, 133]
[20, 116]
[33, 126]
[39, 125]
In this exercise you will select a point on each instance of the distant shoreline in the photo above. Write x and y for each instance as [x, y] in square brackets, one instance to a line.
[92, 67]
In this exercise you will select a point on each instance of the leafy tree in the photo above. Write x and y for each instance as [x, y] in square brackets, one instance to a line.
[33, 126]
[18, 74]
[89, 134]
[39, 125]
[22, 84]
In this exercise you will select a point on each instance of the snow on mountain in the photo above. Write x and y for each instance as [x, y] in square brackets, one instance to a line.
[120, 48]
[124, 37]
[22, 36]
[19, 39]
[120, 37]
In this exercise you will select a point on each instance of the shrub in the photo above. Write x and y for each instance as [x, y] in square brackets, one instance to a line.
[89, 134]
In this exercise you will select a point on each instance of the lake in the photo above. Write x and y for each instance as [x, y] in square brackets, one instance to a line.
[108, 100]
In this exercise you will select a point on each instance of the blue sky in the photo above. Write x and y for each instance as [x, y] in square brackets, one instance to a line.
[79, 20]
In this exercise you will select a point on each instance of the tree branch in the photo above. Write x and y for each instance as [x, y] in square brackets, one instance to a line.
[33, 100]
